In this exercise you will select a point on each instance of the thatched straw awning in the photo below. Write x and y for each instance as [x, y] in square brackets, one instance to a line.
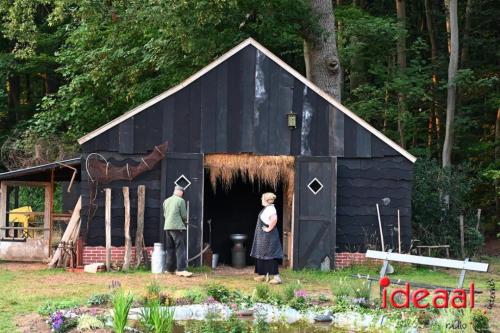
[269, 170]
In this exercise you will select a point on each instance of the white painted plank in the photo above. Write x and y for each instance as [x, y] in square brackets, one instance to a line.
[429, 261]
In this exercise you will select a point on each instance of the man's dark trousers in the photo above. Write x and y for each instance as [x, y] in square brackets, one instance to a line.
[176, 250]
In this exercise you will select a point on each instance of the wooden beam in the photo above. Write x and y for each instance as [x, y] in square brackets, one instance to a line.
[107, 220]
[3, 207]
[51, 207]
[75, 217]
[429, 261]
[47, 216]
[128, 241]
[25, 183]
[139, 236]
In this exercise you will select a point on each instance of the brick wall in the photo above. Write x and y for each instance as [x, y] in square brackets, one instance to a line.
[93, 254]
[345, 259]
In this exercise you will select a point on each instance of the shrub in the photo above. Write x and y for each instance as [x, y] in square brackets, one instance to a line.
[261, 293]
[218, 292]
[87, 322]
[342, 288]
[194, 296]
[480, 321]
[121, 306]
[99, 299]
[50, 307]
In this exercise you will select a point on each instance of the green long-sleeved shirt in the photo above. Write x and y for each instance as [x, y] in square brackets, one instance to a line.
[174, 210]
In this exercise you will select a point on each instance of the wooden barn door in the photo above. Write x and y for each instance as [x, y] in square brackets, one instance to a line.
[186, 170]
[315, 212]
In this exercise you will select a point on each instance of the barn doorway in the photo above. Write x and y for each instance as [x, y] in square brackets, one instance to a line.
[232, 203]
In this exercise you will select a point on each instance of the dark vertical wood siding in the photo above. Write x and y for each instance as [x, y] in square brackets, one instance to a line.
[241, 106]
[361, 184]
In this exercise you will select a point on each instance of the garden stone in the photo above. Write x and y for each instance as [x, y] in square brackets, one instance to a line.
[321, 318]
[245, 312]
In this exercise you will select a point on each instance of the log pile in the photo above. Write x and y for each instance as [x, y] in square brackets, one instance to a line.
[66, 249]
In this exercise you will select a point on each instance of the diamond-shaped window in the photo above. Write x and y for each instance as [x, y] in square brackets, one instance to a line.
[182, 181]
[315, 186]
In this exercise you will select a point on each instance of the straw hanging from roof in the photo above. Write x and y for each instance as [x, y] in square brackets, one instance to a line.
[254, 169]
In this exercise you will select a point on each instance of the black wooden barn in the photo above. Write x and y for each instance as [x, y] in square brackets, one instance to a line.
[239, 104]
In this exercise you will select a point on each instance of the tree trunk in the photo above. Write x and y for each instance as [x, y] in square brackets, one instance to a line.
[320, 52]
[433, 116]
[452, 23]
[401, 54]
[464, 56]
[497, 158]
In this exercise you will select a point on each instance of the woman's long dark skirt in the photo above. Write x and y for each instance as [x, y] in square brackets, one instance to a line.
[263, 266]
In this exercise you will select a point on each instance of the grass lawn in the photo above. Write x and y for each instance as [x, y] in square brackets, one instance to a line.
[26, 287]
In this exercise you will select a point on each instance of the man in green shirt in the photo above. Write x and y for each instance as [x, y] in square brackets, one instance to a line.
[174, 210]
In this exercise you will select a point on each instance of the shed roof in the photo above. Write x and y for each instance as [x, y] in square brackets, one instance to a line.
[42, 172]
[278, 61]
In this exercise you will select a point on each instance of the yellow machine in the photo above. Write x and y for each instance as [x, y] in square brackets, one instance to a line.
[21, 217]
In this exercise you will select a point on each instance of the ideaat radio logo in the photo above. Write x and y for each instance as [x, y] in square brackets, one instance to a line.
[441, 298]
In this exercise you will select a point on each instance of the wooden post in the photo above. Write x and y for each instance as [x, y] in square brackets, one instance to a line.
[380, 227]
[3, 208]
[462, 240]
[51, 220]
[128, 241]
[399, 231]
[139, 236]
[107, 220]
[47, 224]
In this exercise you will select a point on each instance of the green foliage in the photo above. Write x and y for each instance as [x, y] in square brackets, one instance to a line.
[351, 288]
[219, 292]
[157, 319]
[480, 321]
[261, 293]
[99, 299]
[440, 196]
[87, 322]
[195, 296]
[121, 306]
[50, 307]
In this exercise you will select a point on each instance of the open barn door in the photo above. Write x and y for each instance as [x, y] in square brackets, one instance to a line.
[186, 170]
[315, 212]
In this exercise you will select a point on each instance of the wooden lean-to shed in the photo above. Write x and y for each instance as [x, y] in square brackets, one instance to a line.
[230, 137]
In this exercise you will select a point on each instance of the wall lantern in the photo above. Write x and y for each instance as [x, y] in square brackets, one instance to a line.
[292, 120]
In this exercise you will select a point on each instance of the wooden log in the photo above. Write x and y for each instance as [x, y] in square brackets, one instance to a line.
[107, 221]
[75, 217]
[128, 240]
[139, 235]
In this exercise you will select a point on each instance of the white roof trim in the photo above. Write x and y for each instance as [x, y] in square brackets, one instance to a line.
[224, 57]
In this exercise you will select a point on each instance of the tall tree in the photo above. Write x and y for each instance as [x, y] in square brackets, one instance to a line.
[451, 99]
[401, 58]
[320, 51]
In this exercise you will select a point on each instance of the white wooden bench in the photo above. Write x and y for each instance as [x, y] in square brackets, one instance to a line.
[464, 265]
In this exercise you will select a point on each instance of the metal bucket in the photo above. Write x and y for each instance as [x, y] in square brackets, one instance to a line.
[158, 259]
[215, 260]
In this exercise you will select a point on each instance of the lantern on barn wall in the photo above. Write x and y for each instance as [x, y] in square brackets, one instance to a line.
[292, 120]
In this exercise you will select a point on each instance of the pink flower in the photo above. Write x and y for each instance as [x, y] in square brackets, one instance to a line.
[300, 293]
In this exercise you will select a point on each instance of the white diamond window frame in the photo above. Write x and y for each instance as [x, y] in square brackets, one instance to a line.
[186, 179]
[320, 186]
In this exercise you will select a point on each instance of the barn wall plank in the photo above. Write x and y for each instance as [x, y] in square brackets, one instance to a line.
[247, 86]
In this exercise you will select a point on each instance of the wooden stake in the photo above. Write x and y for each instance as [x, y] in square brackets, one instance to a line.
[462, 240]
[399, 231]
[107, 221]
[380, 227]
[139, 236]
[128, 240]
[478, 218]
[75, 217]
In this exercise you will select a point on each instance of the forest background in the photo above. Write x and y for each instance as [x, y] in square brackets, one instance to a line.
[424, 72]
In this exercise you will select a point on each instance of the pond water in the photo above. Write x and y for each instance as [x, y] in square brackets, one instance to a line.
[183, 327]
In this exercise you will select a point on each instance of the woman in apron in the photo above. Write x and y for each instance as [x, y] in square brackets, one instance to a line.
[266, 247]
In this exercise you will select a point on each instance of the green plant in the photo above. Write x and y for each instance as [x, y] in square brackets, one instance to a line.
[218, 292]
[361, 289]
[261, 293]
[87, 322]
[50, 307]
[155, 318]
[342, 288]
[121, 306]
[195, 296]
[480, 321]
[99, 299]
